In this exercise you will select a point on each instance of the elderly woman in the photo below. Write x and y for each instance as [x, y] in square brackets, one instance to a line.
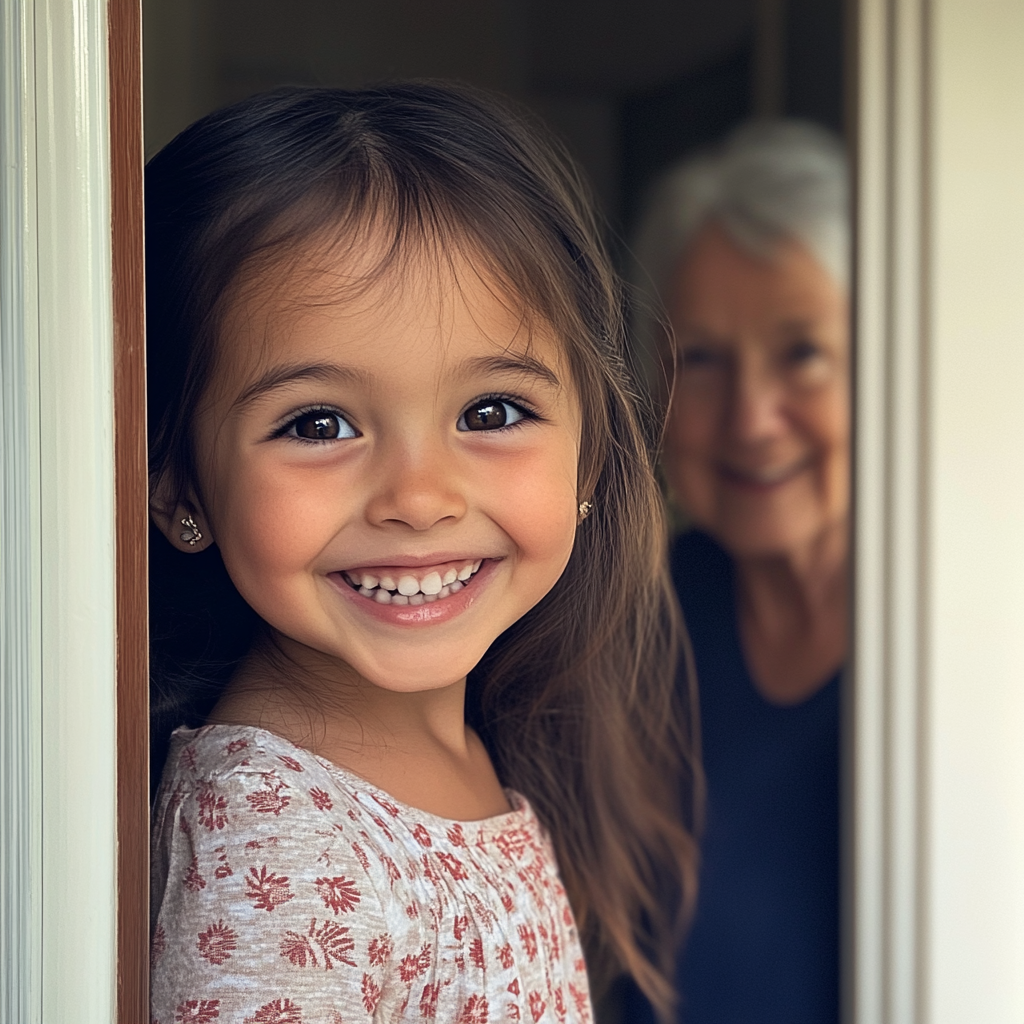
[746, 248]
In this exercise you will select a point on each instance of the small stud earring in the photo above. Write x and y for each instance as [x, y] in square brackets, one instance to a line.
[192, 535]
[583, 511]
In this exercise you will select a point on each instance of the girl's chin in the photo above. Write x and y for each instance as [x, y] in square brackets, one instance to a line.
[397, 682]
[405, 672]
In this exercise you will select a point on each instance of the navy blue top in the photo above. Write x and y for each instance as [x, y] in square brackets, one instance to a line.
[764, 946]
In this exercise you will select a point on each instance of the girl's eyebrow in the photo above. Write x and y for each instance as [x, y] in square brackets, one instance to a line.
[328, 373]
[281, 376]
[522, 365]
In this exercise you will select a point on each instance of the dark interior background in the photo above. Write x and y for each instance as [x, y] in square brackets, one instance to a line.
[631, 85]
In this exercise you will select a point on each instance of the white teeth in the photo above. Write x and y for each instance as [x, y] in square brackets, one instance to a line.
[409, 590]
[431, 583]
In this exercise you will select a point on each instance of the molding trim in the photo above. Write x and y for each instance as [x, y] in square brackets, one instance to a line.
[887, 708]
[57, 710]
[21, 935]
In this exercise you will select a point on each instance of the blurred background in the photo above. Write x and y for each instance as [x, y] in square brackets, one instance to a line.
[630, 85]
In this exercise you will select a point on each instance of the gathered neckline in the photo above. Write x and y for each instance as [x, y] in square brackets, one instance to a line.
[522, 813]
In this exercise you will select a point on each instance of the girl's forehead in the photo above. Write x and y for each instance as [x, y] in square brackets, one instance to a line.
[437, 310]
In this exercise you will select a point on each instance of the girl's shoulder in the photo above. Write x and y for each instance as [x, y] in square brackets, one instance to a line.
[243, 778]
[240, 777]
[241, 756]
[271, 866]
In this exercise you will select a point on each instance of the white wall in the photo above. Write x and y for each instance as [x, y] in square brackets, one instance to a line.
[937, 723]
[975, 806]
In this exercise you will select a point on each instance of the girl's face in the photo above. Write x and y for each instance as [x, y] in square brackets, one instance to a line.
[390, 477]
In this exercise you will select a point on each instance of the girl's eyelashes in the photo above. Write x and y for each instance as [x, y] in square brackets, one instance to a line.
[317, 424]
[494, 412]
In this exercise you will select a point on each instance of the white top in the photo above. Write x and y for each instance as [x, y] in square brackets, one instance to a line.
[287, 890]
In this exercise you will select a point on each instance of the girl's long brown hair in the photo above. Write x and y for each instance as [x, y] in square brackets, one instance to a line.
[583, 704]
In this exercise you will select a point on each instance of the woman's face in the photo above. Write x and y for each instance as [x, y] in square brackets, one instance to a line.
[758, 441]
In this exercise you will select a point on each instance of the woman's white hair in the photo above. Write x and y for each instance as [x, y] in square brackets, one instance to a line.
[767, 182]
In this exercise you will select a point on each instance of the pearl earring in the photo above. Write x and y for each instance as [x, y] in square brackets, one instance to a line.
[192, 534]
[583, 511]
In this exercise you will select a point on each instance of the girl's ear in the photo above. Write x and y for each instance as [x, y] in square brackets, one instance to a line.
[182, 522]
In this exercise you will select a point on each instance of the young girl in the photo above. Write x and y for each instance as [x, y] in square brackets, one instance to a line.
[413, 613]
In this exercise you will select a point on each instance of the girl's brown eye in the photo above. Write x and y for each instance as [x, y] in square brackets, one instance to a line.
[489, 415]
[320, 425]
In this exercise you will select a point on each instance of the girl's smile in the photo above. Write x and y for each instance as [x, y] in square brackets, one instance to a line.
[407, 596]
[389, 472]
[414, 582]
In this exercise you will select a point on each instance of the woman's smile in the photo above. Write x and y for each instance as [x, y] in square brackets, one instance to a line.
[763, 479]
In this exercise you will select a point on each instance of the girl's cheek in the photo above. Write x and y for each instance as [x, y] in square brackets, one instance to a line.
[532, 497]
[268, 522]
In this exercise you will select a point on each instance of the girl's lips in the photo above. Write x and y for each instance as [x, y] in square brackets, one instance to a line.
[426, 614]
[428, 579]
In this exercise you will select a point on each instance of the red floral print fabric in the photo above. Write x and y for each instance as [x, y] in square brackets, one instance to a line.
[286, 890]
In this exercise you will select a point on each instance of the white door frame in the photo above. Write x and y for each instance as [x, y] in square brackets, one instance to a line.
[936, 809]
[57, 624]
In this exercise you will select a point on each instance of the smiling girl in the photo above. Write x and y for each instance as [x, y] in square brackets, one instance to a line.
[412, 622]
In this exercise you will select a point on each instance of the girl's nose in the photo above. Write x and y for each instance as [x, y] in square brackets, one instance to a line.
[417, 489]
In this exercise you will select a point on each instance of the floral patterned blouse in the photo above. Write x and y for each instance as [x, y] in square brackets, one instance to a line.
[287, 890]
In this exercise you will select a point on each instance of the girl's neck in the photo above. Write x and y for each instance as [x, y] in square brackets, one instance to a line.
[793, 610]
[415, 746]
